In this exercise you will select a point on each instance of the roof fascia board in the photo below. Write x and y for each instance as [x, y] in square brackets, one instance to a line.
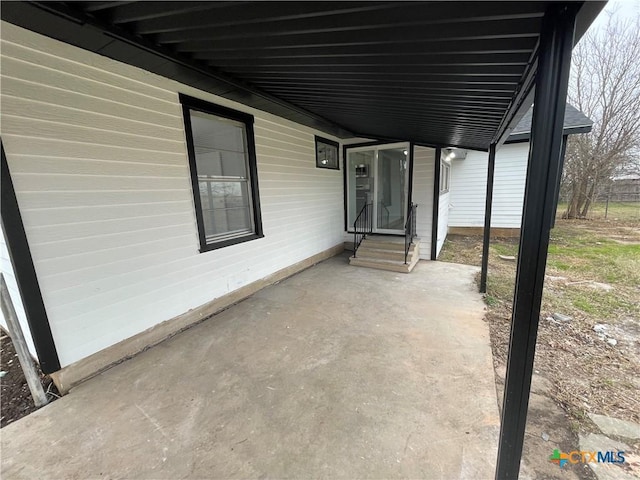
[524, 137]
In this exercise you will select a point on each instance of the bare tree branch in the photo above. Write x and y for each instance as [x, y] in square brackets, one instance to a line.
[605, 85]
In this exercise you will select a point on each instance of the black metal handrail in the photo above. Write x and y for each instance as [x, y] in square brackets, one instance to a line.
[362, 226]
[409, 230]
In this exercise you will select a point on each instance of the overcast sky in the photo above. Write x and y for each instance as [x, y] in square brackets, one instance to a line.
[622, 8]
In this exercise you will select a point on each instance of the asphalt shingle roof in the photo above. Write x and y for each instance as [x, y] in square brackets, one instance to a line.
[574, 122]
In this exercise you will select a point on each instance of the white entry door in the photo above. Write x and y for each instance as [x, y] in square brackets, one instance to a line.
[379, 176]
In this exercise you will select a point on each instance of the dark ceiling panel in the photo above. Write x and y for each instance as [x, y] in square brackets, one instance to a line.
[402, 71]
[390, 104]
[387, 61]
[259, 13]
[98, 6]
[424, 83]
[314, 17]
[247, 37]
[436, 73]
[376, 89]
[480, 46]
[138, 11]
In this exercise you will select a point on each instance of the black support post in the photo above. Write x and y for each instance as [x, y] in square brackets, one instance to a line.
[554, 60]
[556, 196]
[487, 218]
[436, 205]
[25, 272]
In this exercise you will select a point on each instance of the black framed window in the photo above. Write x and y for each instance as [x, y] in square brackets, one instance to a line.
[222, 160]
[327, 154]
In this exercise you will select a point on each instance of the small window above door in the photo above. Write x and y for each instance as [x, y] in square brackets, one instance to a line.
[327, 154]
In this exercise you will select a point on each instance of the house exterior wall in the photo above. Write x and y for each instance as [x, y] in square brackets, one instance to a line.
[443, 220]
[98, 157]
[12, 285]
[469, 184]
[423, 170]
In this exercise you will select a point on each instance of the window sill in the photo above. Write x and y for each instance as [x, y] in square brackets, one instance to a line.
[227, 243]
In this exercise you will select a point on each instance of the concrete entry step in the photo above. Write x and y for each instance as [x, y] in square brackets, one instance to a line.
[388, 242]
[391, 265]
[386, 253]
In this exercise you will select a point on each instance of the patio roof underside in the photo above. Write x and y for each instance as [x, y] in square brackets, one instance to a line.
[435, 73]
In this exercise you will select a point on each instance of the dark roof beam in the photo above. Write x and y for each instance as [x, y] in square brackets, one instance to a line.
[377, 92]
[264, 12]
[382, 86]
[311, 17]
[305, 100]
[414, 84]
[98, 6]
[441, 97]
[432, 112]
[387, 61]
[433, 103]
[451, 104]
[385, 99]
[300, 78]
[515, 45]
[446, 121]
[409, 71]
[485, 125]
[138, 11]
[360, 35]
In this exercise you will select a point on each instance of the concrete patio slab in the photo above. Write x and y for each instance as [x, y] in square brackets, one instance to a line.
[337, 372]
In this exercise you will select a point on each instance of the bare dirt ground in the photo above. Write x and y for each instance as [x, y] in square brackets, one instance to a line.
[15, 397]
[588, 358]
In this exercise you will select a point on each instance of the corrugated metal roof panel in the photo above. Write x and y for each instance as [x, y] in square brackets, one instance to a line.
[438, 73]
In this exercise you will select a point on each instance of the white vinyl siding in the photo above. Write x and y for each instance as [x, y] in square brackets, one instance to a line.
[469, 183]
[443, 220]
[445, 176]
[98, 157]
[9, 276]
[423, 183]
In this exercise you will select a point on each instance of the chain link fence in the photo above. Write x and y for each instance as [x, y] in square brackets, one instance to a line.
[618, 206]
[614, 205]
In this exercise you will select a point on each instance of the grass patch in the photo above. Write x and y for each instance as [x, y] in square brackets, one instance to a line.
[585, 305]
[559, 265]
[617, 211]
[594, 257]
[504, 248]
[594, 267]
[599, 305]
[491, 300]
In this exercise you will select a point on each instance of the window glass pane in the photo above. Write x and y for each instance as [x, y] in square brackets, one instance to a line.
[326, 155]
[220, 164]
[220, 145]
[391, 189]
[224, 194]
[221, 223]
[360, 176]
[225, 207]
